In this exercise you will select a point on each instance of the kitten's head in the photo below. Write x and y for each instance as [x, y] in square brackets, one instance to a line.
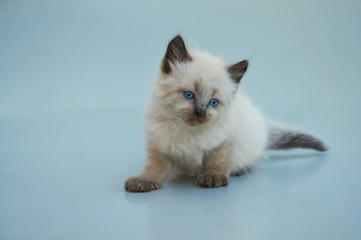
[195, 87]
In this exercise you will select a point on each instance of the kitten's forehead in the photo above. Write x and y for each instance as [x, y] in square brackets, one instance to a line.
[204, 70]
[207, 66]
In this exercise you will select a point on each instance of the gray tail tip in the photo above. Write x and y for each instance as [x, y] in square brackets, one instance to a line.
[313, 143]
[320, 146]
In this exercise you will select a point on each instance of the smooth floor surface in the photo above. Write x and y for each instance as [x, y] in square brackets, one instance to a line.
[74, 80]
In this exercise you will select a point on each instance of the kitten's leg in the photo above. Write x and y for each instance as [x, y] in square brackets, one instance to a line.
[216, 167]
[157, 168]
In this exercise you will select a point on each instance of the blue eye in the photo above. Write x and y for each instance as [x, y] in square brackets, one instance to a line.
[188, 95]
[213, 102]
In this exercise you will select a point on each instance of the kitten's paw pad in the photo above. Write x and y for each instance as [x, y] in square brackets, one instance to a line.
[212, 181]
[138, 184]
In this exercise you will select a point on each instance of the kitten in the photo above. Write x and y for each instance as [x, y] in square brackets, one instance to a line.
[198, 122]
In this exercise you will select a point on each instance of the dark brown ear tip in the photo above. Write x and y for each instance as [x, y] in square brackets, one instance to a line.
[245, 62]
[177, 38]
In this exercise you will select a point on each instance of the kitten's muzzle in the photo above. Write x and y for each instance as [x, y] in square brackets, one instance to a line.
[198, 116]
[201, 112]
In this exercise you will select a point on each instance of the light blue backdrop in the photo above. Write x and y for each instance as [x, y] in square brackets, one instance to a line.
[74, 79]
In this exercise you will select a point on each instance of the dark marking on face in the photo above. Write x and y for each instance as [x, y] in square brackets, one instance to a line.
[215, 92]
[176, 52]
[201, 111]
[196, 87]
[236, 71]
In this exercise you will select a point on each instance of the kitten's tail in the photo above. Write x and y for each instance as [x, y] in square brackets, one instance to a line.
[282, 137]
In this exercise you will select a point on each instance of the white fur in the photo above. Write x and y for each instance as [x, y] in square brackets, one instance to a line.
[238, 122]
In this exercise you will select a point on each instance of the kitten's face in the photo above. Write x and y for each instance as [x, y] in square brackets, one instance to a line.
[195, 88]
[197, 92]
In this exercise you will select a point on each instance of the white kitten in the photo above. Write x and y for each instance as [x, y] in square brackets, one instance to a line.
[199, 123]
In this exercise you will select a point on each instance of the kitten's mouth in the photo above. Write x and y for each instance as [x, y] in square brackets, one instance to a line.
[196, 121]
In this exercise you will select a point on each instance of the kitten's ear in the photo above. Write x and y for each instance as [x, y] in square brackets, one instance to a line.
[176, 52]
[236, 71]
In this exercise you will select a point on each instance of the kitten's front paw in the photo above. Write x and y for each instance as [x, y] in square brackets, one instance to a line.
[212, 181]
[139, 184]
